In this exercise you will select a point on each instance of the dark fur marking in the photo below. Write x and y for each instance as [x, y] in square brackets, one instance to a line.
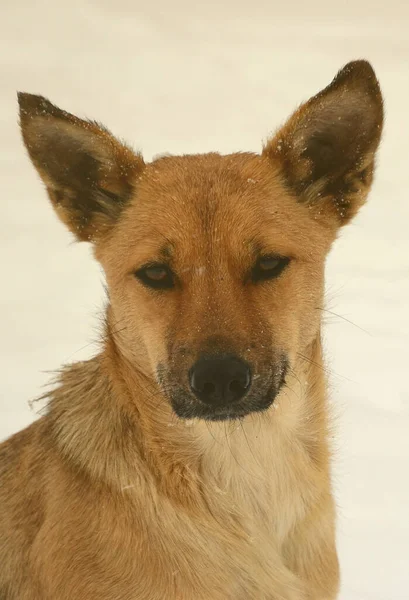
[333, 138]
[86, 170]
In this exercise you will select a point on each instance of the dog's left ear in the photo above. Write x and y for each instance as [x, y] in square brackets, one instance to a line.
[326, 150]
[89, 174]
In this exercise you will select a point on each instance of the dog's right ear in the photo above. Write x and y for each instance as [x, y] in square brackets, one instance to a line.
[327, 149]
[89, 174]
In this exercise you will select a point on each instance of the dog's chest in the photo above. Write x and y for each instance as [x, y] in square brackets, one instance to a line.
[255, 478]
[254, 498]
[227, 547]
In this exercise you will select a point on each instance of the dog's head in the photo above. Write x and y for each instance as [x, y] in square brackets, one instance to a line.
[214, 263]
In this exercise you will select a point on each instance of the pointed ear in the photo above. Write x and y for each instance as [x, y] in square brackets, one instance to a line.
[89, 174]
[326, 150]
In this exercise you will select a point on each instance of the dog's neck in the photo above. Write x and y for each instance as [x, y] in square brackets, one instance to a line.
[106, 409]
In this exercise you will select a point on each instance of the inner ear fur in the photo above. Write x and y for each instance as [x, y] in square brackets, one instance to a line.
[327, 148]
[89, 174]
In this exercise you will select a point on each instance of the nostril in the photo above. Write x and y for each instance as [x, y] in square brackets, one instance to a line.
[220, 380]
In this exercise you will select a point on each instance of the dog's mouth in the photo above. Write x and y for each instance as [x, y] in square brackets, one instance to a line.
[259, 398]
[229, 412]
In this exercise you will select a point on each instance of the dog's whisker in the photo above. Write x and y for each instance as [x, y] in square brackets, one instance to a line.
[326, 310]
[322, 368]
[248, 444]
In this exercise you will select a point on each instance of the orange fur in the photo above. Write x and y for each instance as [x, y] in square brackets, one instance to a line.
[110, 495]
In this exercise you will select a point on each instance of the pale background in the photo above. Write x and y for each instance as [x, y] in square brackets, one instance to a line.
[180, 77]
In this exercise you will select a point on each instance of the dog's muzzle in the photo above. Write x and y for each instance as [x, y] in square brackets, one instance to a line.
[223, 387]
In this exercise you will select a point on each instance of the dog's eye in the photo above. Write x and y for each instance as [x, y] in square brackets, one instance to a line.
[269, 267]
[156, 276]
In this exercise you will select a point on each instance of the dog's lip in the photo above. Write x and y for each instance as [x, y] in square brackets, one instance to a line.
[227, 413]
[238, 411]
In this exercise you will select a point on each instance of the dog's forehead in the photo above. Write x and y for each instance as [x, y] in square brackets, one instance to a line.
[194, 204]
[209, 188]
[205, 178]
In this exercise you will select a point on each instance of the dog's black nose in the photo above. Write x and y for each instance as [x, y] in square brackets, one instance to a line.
[220, 380]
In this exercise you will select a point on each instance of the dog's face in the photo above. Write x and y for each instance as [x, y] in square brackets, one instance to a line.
[215, 275]
[215, 263]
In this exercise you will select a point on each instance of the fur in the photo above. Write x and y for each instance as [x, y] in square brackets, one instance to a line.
[110, 495]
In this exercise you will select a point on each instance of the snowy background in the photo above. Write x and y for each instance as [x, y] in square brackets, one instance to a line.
[180, 77]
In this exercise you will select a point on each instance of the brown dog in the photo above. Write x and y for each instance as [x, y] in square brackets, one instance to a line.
[190, 459]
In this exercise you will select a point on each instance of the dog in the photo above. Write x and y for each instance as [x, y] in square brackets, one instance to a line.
[191, 458]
